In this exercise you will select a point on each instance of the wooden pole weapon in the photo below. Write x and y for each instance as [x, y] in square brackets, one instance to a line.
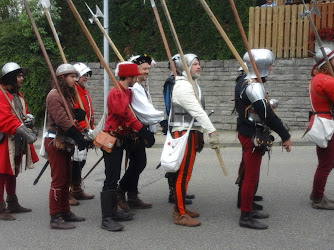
[308, 13]
[244, 38]
[47, 59]
[46, 5]
[163, 36]
[223, 34]
[97, 21]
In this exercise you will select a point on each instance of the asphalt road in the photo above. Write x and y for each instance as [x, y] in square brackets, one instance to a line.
[285, 183]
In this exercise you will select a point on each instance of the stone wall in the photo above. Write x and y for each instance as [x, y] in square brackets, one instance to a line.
[288, 83]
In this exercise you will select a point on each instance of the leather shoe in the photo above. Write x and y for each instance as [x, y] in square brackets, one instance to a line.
[57, 222]
[111, 225]
[259, 215]
[68, 216]
[138, 203]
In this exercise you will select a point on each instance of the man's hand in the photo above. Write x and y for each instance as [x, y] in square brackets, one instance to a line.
[147, 135]
[214, 140]
[80, 114]
[287, 145]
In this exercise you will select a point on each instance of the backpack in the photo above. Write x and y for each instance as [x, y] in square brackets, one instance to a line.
[167, 93]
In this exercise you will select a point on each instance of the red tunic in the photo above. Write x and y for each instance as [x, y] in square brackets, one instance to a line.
[322, 94]
[120, 118]
[8, 125]
[87, 104]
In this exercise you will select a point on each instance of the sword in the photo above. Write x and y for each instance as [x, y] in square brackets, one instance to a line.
[95, 165]
[314, 10]
[40, 173]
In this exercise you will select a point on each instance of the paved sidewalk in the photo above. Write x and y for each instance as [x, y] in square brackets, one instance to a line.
[227, 139]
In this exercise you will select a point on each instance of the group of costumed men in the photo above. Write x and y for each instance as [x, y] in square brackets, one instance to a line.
[131, 118]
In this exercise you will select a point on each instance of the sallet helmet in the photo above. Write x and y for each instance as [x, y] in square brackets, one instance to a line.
[263, 58]
[319, 58]
[82, 69]
[66, 68]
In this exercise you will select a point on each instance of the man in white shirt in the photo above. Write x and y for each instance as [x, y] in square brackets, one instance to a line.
[141, 103]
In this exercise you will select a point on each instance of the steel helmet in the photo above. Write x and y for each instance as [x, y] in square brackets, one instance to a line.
[82, 69]
[319, 58]
[263, 58]
[66, 68]
[10, 67]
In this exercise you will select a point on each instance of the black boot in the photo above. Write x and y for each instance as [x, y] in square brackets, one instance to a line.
[107, 209]
[246, 220]
[118, 215]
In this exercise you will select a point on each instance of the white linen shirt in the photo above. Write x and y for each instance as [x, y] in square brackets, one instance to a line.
[142, 106]
[184, 95]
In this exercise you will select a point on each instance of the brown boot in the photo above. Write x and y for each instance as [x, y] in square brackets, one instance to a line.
[72, 201]
[57, 222]
[79, 194]
[121, 201]
[192, 214]
[13, 205]
[4, 213]
[185, 220]
[135, 202]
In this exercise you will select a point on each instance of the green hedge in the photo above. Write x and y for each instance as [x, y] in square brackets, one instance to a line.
[132, 27]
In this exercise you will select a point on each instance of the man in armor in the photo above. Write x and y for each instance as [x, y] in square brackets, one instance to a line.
[141, 103]
[255, 118]
[79, 157]
[16, 138]
[322, 99]
[185, 107]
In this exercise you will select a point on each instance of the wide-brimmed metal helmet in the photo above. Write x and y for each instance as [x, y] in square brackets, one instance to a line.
[66, 68]
[319, 58]
[263, 58]
[10, 67]
[82, 69]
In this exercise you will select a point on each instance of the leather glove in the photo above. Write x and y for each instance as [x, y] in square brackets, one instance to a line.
[78, 137]
[147, 135]
[214, 140]
[79, 114]
[26, 133]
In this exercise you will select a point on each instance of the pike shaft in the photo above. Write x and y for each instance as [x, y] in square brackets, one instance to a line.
[163, 36]
[244, 38]
[178, 45]
[223, 34]
[47, 59]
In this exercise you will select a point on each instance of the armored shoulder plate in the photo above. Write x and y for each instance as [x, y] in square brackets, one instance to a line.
[255, 91]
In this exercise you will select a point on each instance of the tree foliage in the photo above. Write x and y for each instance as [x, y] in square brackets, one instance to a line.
[132, 28]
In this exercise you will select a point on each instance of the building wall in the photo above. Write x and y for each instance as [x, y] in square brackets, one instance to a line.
[288, 83]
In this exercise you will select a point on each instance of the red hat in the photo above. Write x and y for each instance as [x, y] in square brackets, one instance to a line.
[128, 69]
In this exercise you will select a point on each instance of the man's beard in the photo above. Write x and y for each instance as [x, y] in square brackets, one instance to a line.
[195, 76]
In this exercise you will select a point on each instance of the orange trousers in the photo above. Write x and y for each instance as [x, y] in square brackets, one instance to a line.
[184, 173]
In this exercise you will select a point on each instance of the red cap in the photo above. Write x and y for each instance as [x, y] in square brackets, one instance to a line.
[128, 69]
